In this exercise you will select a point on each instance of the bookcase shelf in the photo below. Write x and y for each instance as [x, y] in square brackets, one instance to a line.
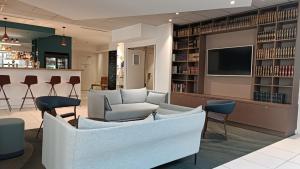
[274, 59]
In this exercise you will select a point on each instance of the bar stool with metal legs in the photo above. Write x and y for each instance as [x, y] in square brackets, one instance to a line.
[73, 81]
[29, 80]
[5, 80]
[54, 81]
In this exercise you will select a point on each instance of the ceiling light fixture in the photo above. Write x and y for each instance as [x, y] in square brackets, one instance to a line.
[5, 37]
[232, 2]
[177, 13]
[63, 41]
[170, 20]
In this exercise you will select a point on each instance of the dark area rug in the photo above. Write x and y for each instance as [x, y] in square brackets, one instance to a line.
[214, 150]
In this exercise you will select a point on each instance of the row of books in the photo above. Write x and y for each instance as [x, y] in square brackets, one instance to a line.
[178, 87]
[178, 69]
[282, 34]
[280, 71]
[286, 33]
[180, 44]
[193, 70]
[267, 96]
[179, 57]
[193, 57]
[270, 53]
[272, 16]
[195, 43]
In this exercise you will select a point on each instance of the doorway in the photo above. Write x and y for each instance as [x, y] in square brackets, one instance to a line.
[140, 67]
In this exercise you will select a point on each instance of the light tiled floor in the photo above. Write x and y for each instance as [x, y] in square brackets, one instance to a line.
[284, 154]
[33, 117]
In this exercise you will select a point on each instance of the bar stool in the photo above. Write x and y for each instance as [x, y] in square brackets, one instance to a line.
[73, 81]
[29, 80]
[54, 81]
[5, 80]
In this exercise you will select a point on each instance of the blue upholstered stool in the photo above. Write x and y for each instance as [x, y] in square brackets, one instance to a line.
[11, 138]
[219, 110]
[50, 103]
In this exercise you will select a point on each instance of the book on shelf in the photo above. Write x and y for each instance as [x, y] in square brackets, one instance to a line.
[193, 57]
[178, 87]
[262, 96]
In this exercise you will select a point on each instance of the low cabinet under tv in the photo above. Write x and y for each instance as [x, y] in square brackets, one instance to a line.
[272, 118]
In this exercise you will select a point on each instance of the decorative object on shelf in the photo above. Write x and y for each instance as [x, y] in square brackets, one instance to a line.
[63, 41]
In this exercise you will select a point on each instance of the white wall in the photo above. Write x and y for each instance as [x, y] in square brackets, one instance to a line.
[163, 45]
[230, 86]
[86, 58]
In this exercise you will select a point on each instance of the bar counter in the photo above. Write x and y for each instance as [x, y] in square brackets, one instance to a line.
[16, 90]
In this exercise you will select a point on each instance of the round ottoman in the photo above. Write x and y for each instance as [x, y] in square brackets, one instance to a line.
[11, 138]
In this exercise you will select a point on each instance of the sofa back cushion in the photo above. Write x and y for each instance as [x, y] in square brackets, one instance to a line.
[156, 98]
[113, 96]
[134, 95]
[84, 123]
[159, 116]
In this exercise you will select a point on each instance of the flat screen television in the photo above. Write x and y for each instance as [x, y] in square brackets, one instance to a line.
[231, 61]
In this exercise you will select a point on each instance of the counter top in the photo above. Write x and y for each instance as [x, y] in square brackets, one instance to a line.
[14, 68]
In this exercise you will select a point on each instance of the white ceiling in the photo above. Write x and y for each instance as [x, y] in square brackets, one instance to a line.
[80, 10]
[98, 32]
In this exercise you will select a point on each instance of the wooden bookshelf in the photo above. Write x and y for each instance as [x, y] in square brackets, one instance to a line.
[274, 55]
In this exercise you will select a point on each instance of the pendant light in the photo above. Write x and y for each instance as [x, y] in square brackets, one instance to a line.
[63, 41]
[5, 37]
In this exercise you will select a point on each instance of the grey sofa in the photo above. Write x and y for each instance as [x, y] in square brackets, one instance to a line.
[120, 105]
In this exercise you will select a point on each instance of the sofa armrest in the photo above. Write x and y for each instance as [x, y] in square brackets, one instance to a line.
[174, 107]
[96, 108]
[166, 93]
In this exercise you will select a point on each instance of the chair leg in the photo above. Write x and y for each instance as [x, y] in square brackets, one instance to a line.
[24, 99]
[225, 129]
[71, 91]
[6, 99]
[195, 159]
[37, 134]
[205, 125]
[54, 91]
[33, 98]
[50, 92]
[75, 93]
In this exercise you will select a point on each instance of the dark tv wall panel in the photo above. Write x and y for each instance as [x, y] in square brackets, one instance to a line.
[112, 70]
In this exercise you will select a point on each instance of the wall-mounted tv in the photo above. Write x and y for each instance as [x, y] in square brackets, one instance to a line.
[231, 61]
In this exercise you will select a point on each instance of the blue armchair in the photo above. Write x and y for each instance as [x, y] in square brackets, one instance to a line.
[219, 110]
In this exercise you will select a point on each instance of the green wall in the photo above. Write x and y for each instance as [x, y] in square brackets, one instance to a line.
[51, 44]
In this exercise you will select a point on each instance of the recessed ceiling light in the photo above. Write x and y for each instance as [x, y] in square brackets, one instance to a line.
[232, 2]
[177, 13]
[170, 20]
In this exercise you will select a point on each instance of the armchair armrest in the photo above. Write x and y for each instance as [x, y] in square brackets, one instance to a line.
[96, 108]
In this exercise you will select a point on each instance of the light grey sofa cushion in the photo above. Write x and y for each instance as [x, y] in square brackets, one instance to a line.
[113, 96]
[166, 109]
[159, 116]
[134, 95]
[156, 98]
[84, 123]
[130, 111]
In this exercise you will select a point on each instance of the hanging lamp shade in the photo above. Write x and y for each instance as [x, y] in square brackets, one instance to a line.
[63, 41]
[5, 37]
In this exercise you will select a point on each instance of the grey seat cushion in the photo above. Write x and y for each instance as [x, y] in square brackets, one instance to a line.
[134, 95]
[113, 96]
[130, 111]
